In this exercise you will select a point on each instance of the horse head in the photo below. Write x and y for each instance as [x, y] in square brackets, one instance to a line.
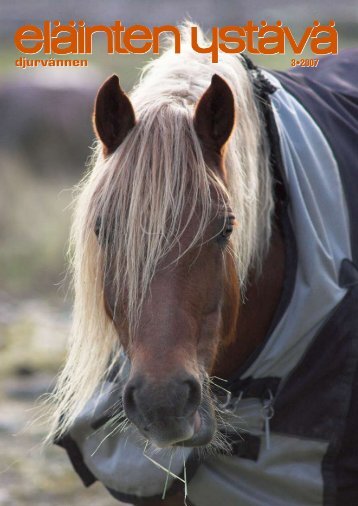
[191, 300]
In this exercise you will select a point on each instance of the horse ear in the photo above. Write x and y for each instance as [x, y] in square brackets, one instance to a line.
[113, 115]
[215, 114]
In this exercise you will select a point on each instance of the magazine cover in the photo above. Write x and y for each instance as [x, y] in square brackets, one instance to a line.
[179, 253]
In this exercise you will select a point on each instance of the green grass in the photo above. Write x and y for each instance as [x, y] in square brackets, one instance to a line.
[34, 225]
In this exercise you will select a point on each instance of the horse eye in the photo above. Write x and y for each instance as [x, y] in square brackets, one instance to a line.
[227, 230]
[102, 232]
[97, 227]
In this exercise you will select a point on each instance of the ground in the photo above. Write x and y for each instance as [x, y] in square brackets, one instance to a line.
[32, 343]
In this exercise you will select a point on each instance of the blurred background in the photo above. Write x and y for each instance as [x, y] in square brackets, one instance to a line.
[45, 139]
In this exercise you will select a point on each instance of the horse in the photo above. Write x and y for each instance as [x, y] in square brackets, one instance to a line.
[199, 264]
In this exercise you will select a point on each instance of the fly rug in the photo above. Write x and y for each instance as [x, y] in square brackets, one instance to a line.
[207, 366]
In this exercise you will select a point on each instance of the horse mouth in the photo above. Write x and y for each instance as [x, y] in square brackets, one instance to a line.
[204, 428]
[198, 431]
[201, 437]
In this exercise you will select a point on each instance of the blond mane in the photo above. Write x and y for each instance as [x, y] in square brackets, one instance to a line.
[140, 193]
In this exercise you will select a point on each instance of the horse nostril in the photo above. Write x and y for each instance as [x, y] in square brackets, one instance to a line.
[129, 402]
[194, 396]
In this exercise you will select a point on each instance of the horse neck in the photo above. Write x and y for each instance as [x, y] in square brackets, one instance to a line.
[256, 312]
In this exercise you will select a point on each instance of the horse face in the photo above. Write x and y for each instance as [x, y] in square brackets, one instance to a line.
[190, 299]
[176, 340]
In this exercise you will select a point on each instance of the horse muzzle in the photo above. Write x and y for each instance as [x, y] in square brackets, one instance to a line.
[166, 413]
